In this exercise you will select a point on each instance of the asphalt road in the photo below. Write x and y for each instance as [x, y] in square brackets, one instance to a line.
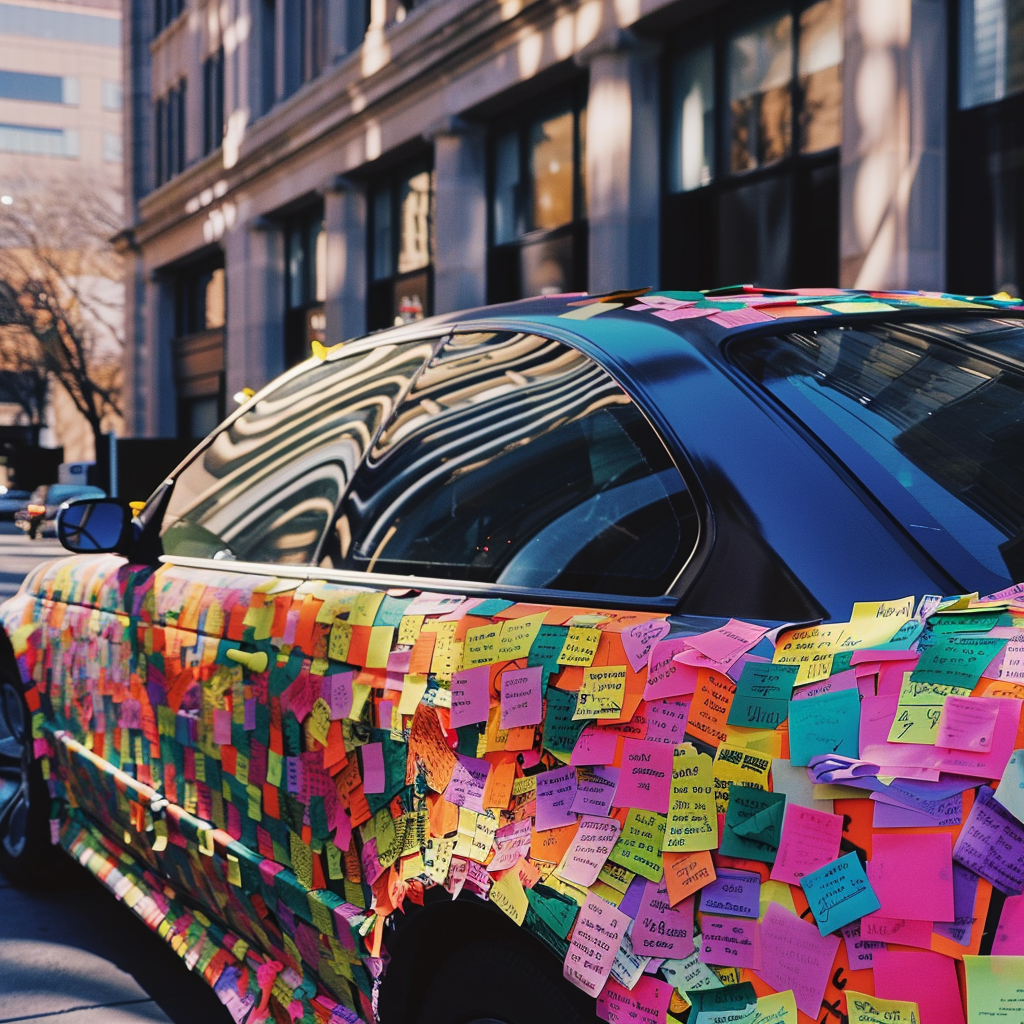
[71, 950]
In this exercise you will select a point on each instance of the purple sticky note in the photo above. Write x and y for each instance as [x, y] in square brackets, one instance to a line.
[520, 697]
[373, 767]
[965, 891]
[991, 844]
[794, 955]
[338, 690]
[470, 699]
[221, 726]
[250, 714]
[661, 929]
[732, 892]
[595, 789]
[645, 778]
[555, 793]
[468, 782]
[638, 640]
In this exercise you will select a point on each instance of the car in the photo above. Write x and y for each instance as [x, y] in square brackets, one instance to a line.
[622, 628]
[38, 518]
[11, 500]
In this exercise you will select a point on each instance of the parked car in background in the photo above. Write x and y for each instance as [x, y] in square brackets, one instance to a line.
[445, 677]
[11, 501]
[38, 517]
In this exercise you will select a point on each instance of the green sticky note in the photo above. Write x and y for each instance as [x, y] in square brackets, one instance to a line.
[639, 846]
[729, 997]
[560, 731]
[826, 724]
[965, 622]
[762, 696]
[995, 989]
[919, 710]
[957, 660]
[753, 824]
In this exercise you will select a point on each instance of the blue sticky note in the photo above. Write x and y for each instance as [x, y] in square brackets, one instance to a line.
[732, 892]
[826, 724]
[839, 893]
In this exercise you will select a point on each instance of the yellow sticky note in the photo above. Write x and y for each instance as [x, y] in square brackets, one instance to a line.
[775, 892]
[409, 630]
[364, 609]
[778, 1008]
[900, 610]
[379, 647]
[234, 871]
[442, 660]
[481, 645]
[995, 989]
[341, 639]
[360, 693]
[508, 895]
[741, 767]
[580, 646]
[602, 692]
[865, 1009]
[412, 693]
[692, 823]
[517, 636]
[919, 709]
[320, 720]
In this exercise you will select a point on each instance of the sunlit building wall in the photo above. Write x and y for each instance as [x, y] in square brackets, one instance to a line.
[310, 169]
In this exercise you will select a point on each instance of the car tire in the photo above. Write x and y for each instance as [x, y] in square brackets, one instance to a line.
[493, 981]
[26, 855]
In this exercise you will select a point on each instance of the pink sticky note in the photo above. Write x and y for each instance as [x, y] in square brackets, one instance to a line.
[589, 849]
[645, 776]
[912, 876]
[877, 928]
[729, 941]
[468, 782]
[928, 979]
[666, 720]
[556, 791]
[794, 955]
[660, 929]
[728, 642]
[594, 746]
[1009, 940]
[639, 640]
[666, 677]
[595, 944]
[810, 840]
[511, 843]
[646, 1003]
[520, 697]
[338, 690]
[470, 699]
[595, 789]
[221, 726]
[739, 317]
[967, 723]
[373, 767]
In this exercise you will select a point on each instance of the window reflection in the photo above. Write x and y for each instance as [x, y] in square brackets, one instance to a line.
[693, 99]
[820, 70]
[760, 71]
[551, 164]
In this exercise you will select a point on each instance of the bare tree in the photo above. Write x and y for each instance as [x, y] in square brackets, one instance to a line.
[24, 379]
[62, 292]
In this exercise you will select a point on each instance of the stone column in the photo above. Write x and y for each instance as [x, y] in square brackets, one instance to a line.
[622, 162]
[157, 398]
[254, 338]
[345, 227]
[460, 216]
[893, 154]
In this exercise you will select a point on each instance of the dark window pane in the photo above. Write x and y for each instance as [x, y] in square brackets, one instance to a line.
[755, 223]
[507, 206]
[519, 461]
[692, 135]
[266, 487]
[929, 421]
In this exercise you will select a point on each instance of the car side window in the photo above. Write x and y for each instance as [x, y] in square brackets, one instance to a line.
[517, 460]
[267, 486]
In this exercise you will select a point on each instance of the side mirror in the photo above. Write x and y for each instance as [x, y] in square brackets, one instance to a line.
[90, 525]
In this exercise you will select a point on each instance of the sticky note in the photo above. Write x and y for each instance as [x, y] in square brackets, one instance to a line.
[778, 1008]
[839, 893]
[645, 1003]
[639, 845]
[709, 709]
[520, 697]
[763, 693]
[595, 789]
[1010, 791]
[660, 929]
[735, 893]
[865, 1009]
[995, 989]
[957, 660]
[481, 645]
[602, 692]
[926, 978]
[667, 677]
[738, 766]
[687, 873]
[372, 756]
[692, 819]
[729, 942]
[470, 700]
[827, 724]
[580, 646]
[753, 824]
[595, 942]
[555, 793]
[508, 895]
[645, 775]
[795, 956]
[967, 723]
[912, 876]
[810, 840]
[594, 840]
[919, 710]
[728, 642]
[991, 844]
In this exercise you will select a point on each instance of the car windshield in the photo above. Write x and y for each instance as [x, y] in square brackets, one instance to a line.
[929, 416]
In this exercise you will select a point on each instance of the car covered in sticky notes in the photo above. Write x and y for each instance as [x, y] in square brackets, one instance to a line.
[657, 656]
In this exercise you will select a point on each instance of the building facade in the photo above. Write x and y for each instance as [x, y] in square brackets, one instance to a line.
[310, 169]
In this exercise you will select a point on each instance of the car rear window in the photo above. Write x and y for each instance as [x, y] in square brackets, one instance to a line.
[929, 416]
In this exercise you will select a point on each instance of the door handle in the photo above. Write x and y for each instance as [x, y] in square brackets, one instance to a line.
[254, 662]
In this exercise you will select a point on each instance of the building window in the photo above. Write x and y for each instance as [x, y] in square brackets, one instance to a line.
[538, 221]
[985, 241]
[213, 101]
[754, 126]
[113, 152]
[198, 346]
[33, 141]
[22, 85]
[305, 283]
[111, 94]
[401, 245]
[268, 54]
[169, 133]
[305, 41]
[166, 12]
[67, 26]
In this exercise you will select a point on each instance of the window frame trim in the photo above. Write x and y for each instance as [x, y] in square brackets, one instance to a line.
[669, 601]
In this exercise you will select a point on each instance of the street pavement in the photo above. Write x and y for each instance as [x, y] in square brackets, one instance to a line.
[70, 949]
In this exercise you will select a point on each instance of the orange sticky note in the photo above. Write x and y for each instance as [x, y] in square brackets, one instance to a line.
[712, 700]
[685, 873]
